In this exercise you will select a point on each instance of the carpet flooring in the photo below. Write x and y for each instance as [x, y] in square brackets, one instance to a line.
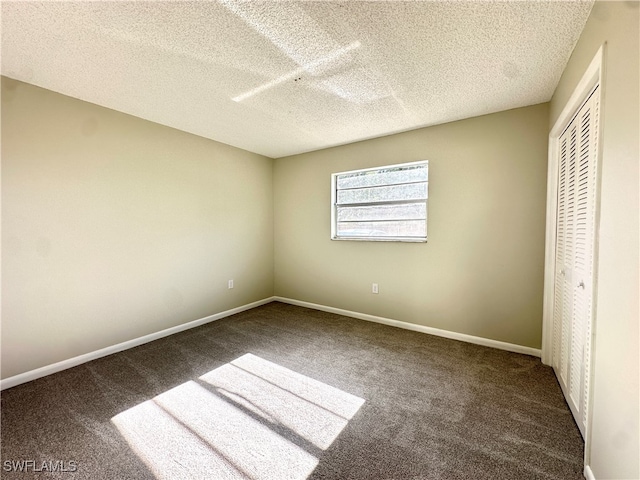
[284, 392]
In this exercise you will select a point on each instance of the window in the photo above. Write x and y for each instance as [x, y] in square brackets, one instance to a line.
[381, 204]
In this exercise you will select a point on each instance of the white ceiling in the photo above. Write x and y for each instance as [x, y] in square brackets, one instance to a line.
[280, 78]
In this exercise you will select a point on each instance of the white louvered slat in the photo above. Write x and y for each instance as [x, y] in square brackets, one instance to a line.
[575, 239]
[561, 238]
[567, 304]
[581, 234]
[590, 253]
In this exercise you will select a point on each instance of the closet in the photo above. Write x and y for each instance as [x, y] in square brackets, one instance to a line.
[574, 255]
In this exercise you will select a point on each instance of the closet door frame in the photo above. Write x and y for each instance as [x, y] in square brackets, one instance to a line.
[594, 75]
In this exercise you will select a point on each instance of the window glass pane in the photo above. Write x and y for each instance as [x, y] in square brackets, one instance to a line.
[411, 228]
[414, 191]
[387, 203]
[410, 211]
[387, 176]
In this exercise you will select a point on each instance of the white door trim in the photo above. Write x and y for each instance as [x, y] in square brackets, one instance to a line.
[594, 75]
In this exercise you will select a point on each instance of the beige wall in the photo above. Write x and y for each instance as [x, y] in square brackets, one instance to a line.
[481, 272]
[614, 445]
[114, 227]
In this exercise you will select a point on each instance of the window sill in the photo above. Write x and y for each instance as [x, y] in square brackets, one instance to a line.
[378, 239]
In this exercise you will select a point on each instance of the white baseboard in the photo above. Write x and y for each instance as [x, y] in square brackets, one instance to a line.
[588, 474]
[87, 357]
[103, 352]
[511, 347]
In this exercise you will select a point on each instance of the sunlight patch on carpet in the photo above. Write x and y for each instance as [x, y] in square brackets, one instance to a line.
[311, 409]
[232, 423]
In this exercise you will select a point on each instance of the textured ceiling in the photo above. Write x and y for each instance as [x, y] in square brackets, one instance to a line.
[279, 78]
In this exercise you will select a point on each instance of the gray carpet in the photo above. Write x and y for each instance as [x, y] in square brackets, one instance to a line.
[287, 392]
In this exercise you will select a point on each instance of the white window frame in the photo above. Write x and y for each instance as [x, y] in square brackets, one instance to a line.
[334, 206]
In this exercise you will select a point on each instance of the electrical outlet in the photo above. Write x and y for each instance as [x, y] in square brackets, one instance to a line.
[230, 283]
[374, 288]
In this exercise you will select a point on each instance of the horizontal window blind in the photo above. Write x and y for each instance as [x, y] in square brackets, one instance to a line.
[383, 203]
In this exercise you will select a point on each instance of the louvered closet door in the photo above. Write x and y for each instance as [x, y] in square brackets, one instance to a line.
[575, 229]
[560, 328]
